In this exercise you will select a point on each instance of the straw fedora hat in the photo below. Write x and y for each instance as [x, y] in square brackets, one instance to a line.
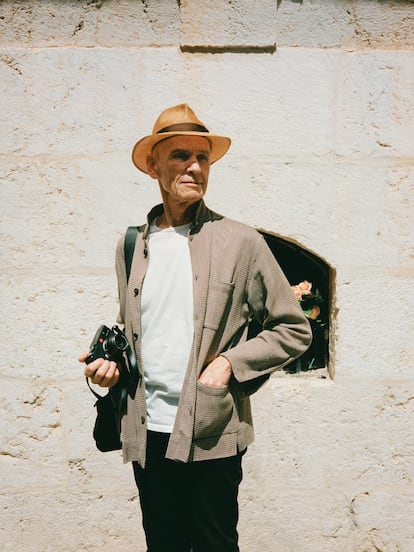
[179, 120]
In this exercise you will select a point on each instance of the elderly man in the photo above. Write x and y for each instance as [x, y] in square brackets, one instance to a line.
[197, 279]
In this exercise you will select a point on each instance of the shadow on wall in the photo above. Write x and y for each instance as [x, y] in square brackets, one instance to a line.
[293, 1]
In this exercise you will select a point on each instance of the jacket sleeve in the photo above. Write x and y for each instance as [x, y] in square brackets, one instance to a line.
[286, 332]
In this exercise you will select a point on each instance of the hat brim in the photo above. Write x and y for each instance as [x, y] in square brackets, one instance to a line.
[144, 147]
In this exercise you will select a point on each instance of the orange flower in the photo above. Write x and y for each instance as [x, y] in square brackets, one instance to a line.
[305, 287]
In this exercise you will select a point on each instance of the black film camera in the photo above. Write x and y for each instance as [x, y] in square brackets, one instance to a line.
[112, 344]
[107, 343]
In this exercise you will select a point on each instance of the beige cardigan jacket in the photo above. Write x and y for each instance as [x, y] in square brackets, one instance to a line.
[235, 277]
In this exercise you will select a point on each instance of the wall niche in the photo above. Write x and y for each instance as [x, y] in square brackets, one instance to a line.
[311, 280]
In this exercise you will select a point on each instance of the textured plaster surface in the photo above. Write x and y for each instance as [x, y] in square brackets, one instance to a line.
[318, 99]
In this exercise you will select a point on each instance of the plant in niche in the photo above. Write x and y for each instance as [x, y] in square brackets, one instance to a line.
[311, 301]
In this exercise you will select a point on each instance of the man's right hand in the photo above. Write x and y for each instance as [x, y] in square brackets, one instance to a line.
[102, 372]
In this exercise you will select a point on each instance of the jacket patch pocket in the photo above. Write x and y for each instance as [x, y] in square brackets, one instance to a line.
[214, 411]
[218, 304]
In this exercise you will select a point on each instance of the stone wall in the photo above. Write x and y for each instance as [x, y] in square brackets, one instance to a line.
[318, 97]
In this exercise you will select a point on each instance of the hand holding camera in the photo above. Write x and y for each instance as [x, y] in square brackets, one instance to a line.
[101, 371]
[105, 362]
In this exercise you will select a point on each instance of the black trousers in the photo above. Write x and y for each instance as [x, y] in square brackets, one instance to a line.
[188, 506]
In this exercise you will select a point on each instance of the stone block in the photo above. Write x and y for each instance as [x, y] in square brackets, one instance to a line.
[367, 318]
[32, 444]
[295, 521]
[383, 520]
[319, 440]
[169, 86]
[48, 23]
[301, 409]
[233, 24]
[364, 205]
[315, 24]
[52, 319]
[132, 24]
[278, 105]
[398, 227]
[227, 187]
[59, 214]
[40, 202]
[345, 24]
[87, 468]
[113, 195]
[384, 25]
[68, 521]
[88, 24]
[375, 106]
[67, 101]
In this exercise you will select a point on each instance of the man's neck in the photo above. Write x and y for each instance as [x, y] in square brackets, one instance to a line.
[176, 216]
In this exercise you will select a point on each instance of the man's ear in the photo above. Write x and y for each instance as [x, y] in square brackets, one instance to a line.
[151, 167]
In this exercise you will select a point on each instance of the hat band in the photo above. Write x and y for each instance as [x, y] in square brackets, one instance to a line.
[183, 127]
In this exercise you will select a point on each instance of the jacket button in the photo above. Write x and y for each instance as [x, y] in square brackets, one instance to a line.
[136, 292]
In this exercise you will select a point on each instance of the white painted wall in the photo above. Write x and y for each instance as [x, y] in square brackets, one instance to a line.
[322, 153]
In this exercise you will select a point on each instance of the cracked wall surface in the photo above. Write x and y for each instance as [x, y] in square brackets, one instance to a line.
[318, 99]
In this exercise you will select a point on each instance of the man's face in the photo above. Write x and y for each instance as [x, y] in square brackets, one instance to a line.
[181, 165]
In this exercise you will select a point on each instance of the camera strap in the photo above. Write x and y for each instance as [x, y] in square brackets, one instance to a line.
[131, 369]
[129, 247]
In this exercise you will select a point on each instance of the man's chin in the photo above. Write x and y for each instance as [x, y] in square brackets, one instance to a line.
[193, 194]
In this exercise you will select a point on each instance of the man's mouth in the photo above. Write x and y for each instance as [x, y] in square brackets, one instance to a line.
[190, 183]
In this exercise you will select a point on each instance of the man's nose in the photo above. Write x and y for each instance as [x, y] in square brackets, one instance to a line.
[194, 165]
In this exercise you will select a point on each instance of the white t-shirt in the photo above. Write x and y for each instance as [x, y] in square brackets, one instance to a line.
[166, 323]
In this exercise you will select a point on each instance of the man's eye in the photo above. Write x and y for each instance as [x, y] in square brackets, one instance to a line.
[203, 157]
[181, 155]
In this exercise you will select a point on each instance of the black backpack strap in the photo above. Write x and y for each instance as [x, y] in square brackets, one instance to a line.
[129, 246]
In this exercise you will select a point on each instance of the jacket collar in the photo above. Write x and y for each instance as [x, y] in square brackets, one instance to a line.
[203, 214]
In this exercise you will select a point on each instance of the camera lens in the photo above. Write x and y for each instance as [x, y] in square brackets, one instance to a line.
[116, 343]
[121, 342]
